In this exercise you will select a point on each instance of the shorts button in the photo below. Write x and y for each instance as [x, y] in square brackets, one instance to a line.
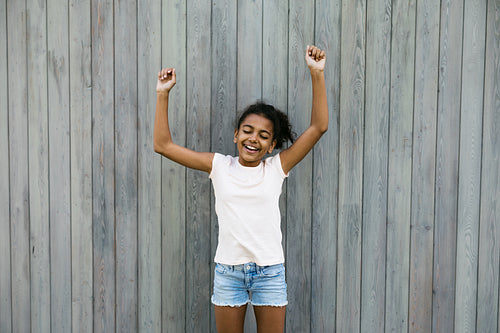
[248, 267]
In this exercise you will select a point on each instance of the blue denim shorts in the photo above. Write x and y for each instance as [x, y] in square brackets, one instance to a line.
[249, 283]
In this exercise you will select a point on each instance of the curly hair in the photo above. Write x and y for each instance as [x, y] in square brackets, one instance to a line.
[281, 125]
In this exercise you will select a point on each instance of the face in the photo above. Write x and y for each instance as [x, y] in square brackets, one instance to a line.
[254, 139]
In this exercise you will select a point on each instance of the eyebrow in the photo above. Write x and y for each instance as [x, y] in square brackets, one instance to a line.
[246, 125]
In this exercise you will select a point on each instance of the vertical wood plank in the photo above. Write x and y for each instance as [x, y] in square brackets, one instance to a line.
[400, 164]
[5, 265]
[125, 87]
[489, 237]
[325, 177]
[198, 92]
[249, 39]
[18, 165]
[103, 165]
[375, 164]
[299, 185]
[447, 146]
[149, 170]
[223, 105]
[174, 53]
[470, 165]
[38, 143]
[424, 152]
[80, 87]
[352, 94]
[59, 165]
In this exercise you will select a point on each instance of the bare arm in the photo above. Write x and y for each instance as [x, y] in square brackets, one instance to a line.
[163, 143]
[315, 59]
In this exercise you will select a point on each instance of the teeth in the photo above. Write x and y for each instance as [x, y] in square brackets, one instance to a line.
[251, 148]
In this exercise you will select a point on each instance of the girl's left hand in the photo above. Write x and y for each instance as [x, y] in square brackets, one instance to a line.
[315, 58]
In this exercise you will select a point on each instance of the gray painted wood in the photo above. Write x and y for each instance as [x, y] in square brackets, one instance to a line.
[17, 81]
[59, 165]
[299, 185]
[5, 266]
[149, 171]
[400, 166]
[470, 165]
[125, 76]
[38, 141]
[423, 173]
[103, 167]
[97, 228]
[447, 146]
[80, 71]
[325, 177]
[375, 164]
[198, 96]
[352, 92]
[174, 260]
[489, 236]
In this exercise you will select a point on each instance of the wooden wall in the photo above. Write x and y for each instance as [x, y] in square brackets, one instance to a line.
[391, 224]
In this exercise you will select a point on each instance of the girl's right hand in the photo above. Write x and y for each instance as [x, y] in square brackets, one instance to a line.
[166, 80]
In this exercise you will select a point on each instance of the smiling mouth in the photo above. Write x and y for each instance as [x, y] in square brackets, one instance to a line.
[251, 149]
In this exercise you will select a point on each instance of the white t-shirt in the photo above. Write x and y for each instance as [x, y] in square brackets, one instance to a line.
[247, 206]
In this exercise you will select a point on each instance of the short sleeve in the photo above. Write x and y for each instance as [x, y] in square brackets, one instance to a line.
[275, 162]
[218, 163]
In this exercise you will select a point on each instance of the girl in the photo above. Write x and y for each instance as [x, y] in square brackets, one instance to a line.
[249, 257]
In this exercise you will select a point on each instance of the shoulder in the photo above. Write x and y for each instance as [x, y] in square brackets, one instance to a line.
[274, 162]
[221, 163]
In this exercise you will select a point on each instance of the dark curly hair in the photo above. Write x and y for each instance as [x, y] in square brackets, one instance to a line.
[281, 125]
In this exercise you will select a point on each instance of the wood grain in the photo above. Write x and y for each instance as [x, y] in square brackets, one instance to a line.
[489, 235]
[375, 164]
[103, 166]
[80, 71]
[38, 143]
[5, 266]
[149, 171]
[17, 81]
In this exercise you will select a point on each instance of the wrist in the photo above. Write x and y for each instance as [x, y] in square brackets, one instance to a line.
[317, 72]
[162, 93]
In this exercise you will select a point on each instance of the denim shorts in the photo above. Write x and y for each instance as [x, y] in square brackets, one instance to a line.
[249, 283]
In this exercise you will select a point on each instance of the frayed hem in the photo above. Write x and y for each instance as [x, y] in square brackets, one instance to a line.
[231, 305]
[271, 305]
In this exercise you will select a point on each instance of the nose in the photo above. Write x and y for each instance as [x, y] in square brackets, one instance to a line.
[253, 138]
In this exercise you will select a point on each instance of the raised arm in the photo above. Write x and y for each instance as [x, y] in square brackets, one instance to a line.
[315, 59]
[163, 143]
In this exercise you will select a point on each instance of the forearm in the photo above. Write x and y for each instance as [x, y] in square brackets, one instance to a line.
[319, 113]
[161, 137]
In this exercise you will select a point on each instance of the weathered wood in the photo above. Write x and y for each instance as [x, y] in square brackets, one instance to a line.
[299, 185]
[375, 164]
[489, 237]
[5, 266]
[325, 177]
[424, 150]
[59, 165]
[223, 105]
[17, 81]
[125, 63]
[447, 146]
[149, 171]
[38, 143]
[352, 92]
[103, 166]
[198, 79]
[400, 163]
[174, 53]
[81, 165]
[471, 123]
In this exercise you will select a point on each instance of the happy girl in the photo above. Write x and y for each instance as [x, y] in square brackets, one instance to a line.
[249, 257]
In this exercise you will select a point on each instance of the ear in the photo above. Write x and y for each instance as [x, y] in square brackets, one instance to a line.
[235, 136]
[271, 148]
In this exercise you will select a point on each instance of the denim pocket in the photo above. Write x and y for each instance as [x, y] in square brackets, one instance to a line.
[221, 269]
[272, 271]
